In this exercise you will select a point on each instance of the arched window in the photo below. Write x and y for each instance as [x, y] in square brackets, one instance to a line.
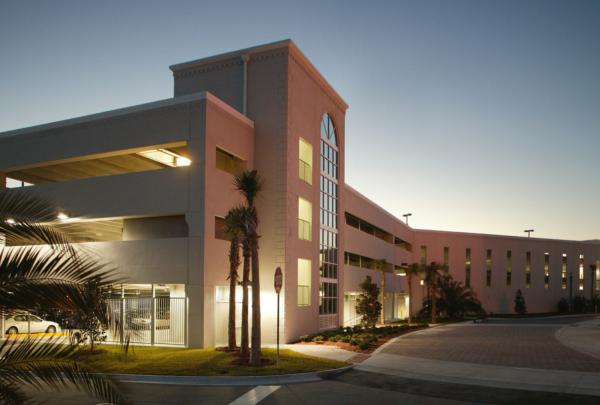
[328, 235]
[328, 130]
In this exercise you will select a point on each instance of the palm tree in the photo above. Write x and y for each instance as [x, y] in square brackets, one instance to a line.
[456, 299]
[249, 183]
[245, 344]
[432, 275]
[234, 228]
[413, 270]
[50, 276]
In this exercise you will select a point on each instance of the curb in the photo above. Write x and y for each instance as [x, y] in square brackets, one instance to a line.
[281, 379]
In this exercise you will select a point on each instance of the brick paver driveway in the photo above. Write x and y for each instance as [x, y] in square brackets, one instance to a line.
[516, 344]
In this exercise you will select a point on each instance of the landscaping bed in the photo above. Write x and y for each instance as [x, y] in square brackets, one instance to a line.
[358, 339]
[196, 362]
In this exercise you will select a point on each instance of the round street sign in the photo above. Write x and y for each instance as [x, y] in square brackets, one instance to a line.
[278, 279]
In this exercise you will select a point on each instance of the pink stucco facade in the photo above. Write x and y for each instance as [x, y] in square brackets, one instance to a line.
[255, 105]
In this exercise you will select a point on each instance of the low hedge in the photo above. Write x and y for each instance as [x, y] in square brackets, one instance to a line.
[358, 336]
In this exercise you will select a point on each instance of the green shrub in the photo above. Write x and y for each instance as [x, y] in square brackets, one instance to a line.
[563, 305]
[318, 338]
[579, 304]
[345, 338]
[305, 338]
[364, 345]
[336, 338]
[354, 341]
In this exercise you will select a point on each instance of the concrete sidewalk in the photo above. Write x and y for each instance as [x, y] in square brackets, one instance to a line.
[324, 351]
[530, 379]
[583, 337]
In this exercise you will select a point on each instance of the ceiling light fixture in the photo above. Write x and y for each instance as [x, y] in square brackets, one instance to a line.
[62, 216]
[166, 157]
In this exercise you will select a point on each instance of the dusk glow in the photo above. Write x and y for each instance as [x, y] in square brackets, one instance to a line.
[473, 116]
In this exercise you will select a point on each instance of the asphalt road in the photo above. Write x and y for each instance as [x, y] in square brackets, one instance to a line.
[354, 387]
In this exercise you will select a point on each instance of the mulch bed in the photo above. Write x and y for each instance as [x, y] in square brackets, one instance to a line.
[347, 346]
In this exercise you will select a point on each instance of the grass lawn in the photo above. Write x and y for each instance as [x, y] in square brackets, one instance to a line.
[206, 362]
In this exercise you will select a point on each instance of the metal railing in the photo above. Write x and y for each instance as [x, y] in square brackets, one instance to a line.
[149, 321]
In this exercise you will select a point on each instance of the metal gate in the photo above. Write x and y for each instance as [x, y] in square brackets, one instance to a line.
[149, 321]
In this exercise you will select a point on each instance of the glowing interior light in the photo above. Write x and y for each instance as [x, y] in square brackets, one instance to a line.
[182, 161]
[62, 216]
[10, 221]
[422, 282]
[166, 157]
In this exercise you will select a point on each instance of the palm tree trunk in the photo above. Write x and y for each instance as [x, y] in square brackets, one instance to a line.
[409, 298]
[432, 301]
[245, 345]
[233, 276]
[255, 357]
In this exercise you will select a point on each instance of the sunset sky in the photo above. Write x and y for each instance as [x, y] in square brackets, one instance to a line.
[478, 116]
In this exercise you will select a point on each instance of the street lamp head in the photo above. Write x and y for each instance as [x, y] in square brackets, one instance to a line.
[407, 215]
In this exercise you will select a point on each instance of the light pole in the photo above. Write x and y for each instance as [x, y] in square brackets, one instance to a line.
[406, 217]
[529, 232]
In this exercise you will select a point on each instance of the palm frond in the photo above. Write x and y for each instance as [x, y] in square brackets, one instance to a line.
[11, 394]
[37, 275]
[25, 219]
[249, 183]
[39, 362]
[24, 206]
[236, 221]
[26, 233]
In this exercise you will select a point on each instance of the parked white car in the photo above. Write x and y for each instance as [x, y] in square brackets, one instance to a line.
[27, 323]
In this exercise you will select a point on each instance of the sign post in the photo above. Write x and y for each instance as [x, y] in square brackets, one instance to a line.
[278, 283]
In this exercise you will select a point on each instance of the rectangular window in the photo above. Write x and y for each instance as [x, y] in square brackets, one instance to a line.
[327, 298]
[488, 268]
[304, 219]
[468, 267]
[446, 258]
[508, 268]
[229, 163]
[304, 277]
[527, 269]
[563, 272]
[352, 259]
[581, 272]
[220, 229]
[328, 259]
[423, 255]
[305, 159]
[546, 270]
